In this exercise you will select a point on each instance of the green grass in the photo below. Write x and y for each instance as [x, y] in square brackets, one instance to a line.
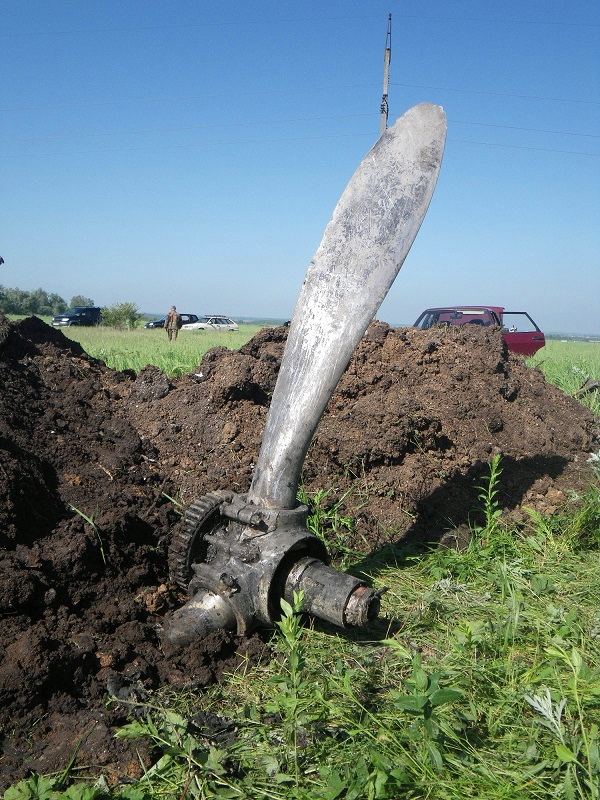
[135, 349]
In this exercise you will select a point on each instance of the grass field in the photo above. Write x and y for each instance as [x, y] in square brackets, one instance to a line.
[482, 682]
[137, 348]
[569, 365]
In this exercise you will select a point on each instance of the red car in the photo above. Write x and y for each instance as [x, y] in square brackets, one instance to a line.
[519, 331]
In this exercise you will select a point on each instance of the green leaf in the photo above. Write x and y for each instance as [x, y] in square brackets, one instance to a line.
[21, 791]
[133, 730]
[568, 788]
[594, 756]
[381, 778]
[542, 584]
[444, 696]
[82, 791]
[435, 757]
[420, 679]
[270, 765]
[175, 719]
[534, 544]
[564, 754]
[286, 608]
[335, 785]
[176, 751]
[35, 788]
[163, 764]
[537, 768]
[282, 778]
[131, 793]
[556, 652]
[399, 649]
[413, 703]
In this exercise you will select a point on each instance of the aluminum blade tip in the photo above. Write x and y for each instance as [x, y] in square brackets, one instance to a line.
[425, 116]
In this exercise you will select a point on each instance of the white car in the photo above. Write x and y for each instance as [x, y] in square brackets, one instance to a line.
[212, 322]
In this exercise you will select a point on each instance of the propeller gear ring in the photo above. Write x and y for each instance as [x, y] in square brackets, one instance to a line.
[187, 545]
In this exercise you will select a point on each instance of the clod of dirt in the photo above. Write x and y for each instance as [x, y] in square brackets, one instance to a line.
[89, 458]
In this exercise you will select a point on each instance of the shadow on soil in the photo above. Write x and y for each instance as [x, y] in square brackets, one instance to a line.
[456, 504]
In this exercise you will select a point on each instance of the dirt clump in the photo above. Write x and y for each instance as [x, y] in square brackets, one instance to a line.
[91, 459]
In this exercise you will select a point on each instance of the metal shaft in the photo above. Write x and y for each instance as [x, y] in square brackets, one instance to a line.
[363, 248]
[386, 77]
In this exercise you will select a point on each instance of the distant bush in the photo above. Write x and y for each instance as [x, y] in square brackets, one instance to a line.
[121, 315]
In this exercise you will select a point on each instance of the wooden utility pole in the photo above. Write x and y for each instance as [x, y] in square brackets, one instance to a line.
[386, 75]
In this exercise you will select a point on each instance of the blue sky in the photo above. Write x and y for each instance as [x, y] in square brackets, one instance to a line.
[193, 152]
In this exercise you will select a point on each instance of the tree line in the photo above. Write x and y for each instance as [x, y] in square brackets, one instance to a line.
[44, 304]
[41, 302]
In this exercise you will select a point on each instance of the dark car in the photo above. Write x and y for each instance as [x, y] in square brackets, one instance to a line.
[78, 315]
[186, 319]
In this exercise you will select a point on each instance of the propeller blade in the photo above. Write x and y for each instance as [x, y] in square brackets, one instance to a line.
[364, 245]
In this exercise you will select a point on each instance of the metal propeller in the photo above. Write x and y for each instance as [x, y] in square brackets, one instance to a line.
[363, 247]
[241, 554]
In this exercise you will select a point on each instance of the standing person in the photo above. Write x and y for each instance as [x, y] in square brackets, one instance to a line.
[172, 323]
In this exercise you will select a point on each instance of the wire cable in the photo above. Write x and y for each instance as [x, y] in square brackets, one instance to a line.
[272, 140]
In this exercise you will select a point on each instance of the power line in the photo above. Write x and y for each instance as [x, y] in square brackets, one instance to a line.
[525, 147]
[529, 130]
[182, 98]
[277, 121]
[270, 140]
[499, 94]
[284, 21]
[289, 90]
[291, 120]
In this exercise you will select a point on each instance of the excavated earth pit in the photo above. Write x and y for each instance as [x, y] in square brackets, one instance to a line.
[90, 457]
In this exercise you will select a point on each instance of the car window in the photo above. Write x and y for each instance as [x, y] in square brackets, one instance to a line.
[518, 321]
[452, 316]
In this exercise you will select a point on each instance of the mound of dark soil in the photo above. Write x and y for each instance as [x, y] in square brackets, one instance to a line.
[89, 458]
